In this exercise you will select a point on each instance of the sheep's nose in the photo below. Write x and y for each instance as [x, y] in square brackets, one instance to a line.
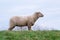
[42, 15]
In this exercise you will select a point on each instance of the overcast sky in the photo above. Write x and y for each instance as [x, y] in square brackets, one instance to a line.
[50, 9]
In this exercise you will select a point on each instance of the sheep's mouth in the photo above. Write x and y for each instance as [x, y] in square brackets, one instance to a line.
[42, 16]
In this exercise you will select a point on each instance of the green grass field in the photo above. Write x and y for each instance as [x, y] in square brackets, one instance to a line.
[29, 35]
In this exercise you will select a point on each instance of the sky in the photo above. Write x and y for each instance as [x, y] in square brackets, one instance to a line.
[50, 9]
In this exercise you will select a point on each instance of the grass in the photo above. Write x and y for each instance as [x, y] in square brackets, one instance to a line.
[30, 35]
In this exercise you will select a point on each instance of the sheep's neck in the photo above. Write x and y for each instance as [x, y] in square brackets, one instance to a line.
[35, 18]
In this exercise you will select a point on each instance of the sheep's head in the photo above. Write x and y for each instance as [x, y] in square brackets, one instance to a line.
[39, 14]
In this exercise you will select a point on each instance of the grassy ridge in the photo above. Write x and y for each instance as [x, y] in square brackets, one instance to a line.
[29, 35]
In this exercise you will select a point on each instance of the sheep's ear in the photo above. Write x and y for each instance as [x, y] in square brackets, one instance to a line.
[37, 13]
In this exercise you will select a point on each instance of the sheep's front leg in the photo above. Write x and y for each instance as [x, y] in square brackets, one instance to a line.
[29, 26]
